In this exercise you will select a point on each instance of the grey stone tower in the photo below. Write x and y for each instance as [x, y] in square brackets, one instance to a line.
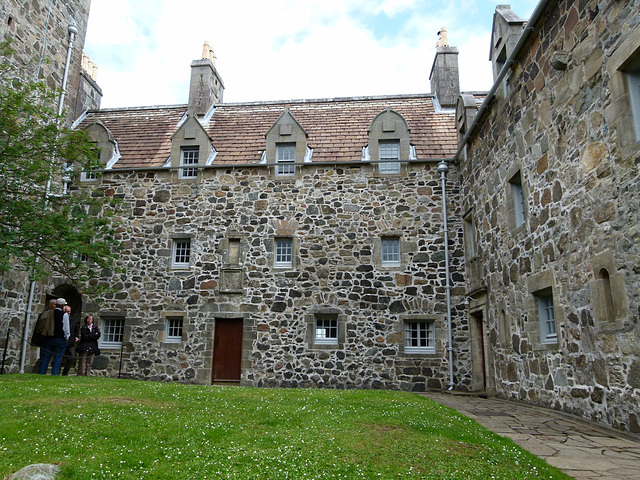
[445, 76]
[206, 87]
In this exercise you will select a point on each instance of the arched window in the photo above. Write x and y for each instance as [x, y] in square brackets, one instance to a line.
[607, 297]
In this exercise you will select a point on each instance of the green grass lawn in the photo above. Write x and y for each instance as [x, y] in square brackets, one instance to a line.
[108, 428]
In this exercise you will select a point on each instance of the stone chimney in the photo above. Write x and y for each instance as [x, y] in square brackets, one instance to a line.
[206, 87]
[89, 92]
[445, 77]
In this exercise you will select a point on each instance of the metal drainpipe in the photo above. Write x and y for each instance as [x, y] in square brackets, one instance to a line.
[443, 168]
[73, 31]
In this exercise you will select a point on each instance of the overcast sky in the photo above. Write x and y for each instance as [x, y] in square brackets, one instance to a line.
[285, 49]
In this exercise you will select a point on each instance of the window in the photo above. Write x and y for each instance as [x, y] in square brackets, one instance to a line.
[632, 72]
[112, 332]
[390, 251]
[326, 329]
[181, 252]
[233, 251]
[606, 299]
[285, 159]
[470, 237]
[517, 196]
[88, 176]
[389, 150]
[419, 337]
[547, 316]
[189, 156]
[174, 330]
[284, 252]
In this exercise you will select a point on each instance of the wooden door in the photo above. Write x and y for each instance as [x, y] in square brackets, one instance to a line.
[227, 350]
[478, 353]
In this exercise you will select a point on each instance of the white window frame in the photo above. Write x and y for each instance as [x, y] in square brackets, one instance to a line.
[390, 251]
[181, 253]
[285, 159]
[419, 337]
[283, 252]
[112, 332]
[546, 313]
[174, 329]
[325, 329]
[189, 156]
[88, 176]
[389, 150]
[518, 199]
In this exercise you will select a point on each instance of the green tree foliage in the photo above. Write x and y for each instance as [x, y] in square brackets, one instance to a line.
[47, 226]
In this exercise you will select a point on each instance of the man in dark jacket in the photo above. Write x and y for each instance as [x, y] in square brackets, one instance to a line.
[55, 342]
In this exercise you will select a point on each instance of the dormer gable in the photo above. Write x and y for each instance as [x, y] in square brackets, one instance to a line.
[190, 145]
[286, 144]
[104, 141]
[466, 110]
[389, 138]
[506, 29]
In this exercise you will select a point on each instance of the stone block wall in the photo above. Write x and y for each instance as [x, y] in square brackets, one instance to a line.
[580, 187]
[336, 217]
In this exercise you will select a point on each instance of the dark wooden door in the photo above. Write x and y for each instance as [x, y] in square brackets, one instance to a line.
[227, 350]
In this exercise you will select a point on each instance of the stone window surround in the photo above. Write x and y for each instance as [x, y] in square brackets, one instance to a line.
[516, 171]
[608, 319]
[439, 333]
[377, 250]
[469, 234]
[310, 322]
[270, 246]
[162, 333]
[225, 249]
[619, 112]
[106, 316]
[537, 284]
[172, 244]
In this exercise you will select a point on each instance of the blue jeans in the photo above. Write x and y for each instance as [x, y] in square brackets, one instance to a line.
[52, 347]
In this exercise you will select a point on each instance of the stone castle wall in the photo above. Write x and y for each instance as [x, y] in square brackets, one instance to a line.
[581, 202]
[29, 26]
[336, 216]
[25, 24]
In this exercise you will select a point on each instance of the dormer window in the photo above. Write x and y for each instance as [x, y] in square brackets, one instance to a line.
[285, 159]
[286, 146]
[189, 156]
[389, 150]
[389, 143]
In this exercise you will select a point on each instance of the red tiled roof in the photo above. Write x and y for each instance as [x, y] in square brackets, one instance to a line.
[337, 128]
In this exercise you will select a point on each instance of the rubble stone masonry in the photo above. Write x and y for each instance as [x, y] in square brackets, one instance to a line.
[557, 134]
[336, 217]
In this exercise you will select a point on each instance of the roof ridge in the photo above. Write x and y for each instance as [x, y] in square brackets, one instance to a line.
[329, 99]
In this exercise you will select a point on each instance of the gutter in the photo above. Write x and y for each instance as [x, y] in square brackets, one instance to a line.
[524, 36]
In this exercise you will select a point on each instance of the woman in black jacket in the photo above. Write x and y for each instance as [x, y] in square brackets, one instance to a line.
[87, 346]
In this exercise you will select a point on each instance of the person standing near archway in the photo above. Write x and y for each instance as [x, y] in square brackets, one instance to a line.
[54, 344]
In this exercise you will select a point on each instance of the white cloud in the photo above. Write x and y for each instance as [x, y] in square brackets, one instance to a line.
[282, 49]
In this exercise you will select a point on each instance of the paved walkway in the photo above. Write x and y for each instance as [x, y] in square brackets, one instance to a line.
[579, 448]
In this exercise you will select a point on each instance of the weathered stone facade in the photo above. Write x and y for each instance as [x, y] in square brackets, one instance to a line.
[30, 25]
[336, 216]
[556, 136]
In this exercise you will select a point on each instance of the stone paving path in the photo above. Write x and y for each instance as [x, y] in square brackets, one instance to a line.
[579, 448]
